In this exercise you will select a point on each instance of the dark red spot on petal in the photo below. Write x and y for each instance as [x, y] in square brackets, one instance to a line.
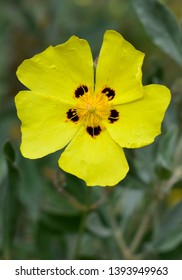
[72, 115]
[93, 131]
[80, 91]
[97, 130]
[110, 93]
[114, 116]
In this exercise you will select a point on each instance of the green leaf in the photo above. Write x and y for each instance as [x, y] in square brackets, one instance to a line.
[166, 151]
[9, 153]
[162, 26]
[171, 241]
[57, 203]
[49, 246]
[32, 187]
[169, 233]
[144, 160]
[96, 226]
[11, 203]
[58, 224]
[76, 187]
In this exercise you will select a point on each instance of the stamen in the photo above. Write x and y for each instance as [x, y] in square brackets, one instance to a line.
[93, 107]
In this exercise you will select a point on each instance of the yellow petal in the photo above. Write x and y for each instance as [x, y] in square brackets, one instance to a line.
[140, 121]
[98, 161]
[45, 127]
[59, 71]
[119, 68]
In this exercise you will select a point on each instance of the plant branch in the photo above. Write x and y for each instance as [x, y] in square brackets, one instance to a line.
[118, 235]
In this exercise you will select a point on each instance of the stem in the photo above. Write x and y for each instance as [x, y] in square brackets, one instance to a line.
[125, 251]
[118, 235]
[161, 191]
[167, 185]
[83, 223]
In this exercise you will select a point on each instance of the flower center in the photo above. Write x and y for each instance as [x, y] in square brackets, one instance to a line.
[92, 108]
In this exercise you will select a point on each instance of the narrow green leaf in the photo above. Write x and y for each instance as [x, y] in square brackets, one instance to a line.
[169, 228]
[162, 26]
[96, 226]
[9, 152]
[171, 241]
[11, 204]
[76, 187]
[32, 188]
[58, 224]
[165, 153]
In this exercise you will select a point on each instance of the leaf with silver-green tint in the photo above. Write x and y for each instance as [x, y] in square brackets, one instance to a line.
[144, 160]
[32, 187]
[11, 203]
[171, 241]
[162, 26]
[96, 226]
[169, 233]
[165, 153]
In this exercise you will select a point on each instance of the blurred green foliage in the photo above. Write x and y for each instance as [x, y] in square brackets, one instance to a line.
[47, 214]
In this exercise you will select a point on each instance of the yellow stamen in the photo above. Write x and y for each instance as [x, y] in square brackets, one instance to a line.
[92, 108]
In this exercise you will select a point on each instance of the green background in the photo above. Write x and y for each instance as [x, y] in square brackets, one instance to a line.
[47, 214]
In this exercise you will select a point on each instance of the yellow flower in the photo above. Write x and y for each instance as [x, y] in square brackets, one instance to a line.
[93, 114]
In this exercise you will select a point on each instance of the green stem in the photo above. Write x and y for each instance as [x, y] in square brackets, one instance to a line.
[119, 239]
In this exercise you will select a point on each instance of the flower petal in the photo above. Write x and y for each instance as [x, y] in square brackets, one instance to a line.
[45, 127]
[140, 121]
[98, 161]
[119, 68]
[59, 71]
